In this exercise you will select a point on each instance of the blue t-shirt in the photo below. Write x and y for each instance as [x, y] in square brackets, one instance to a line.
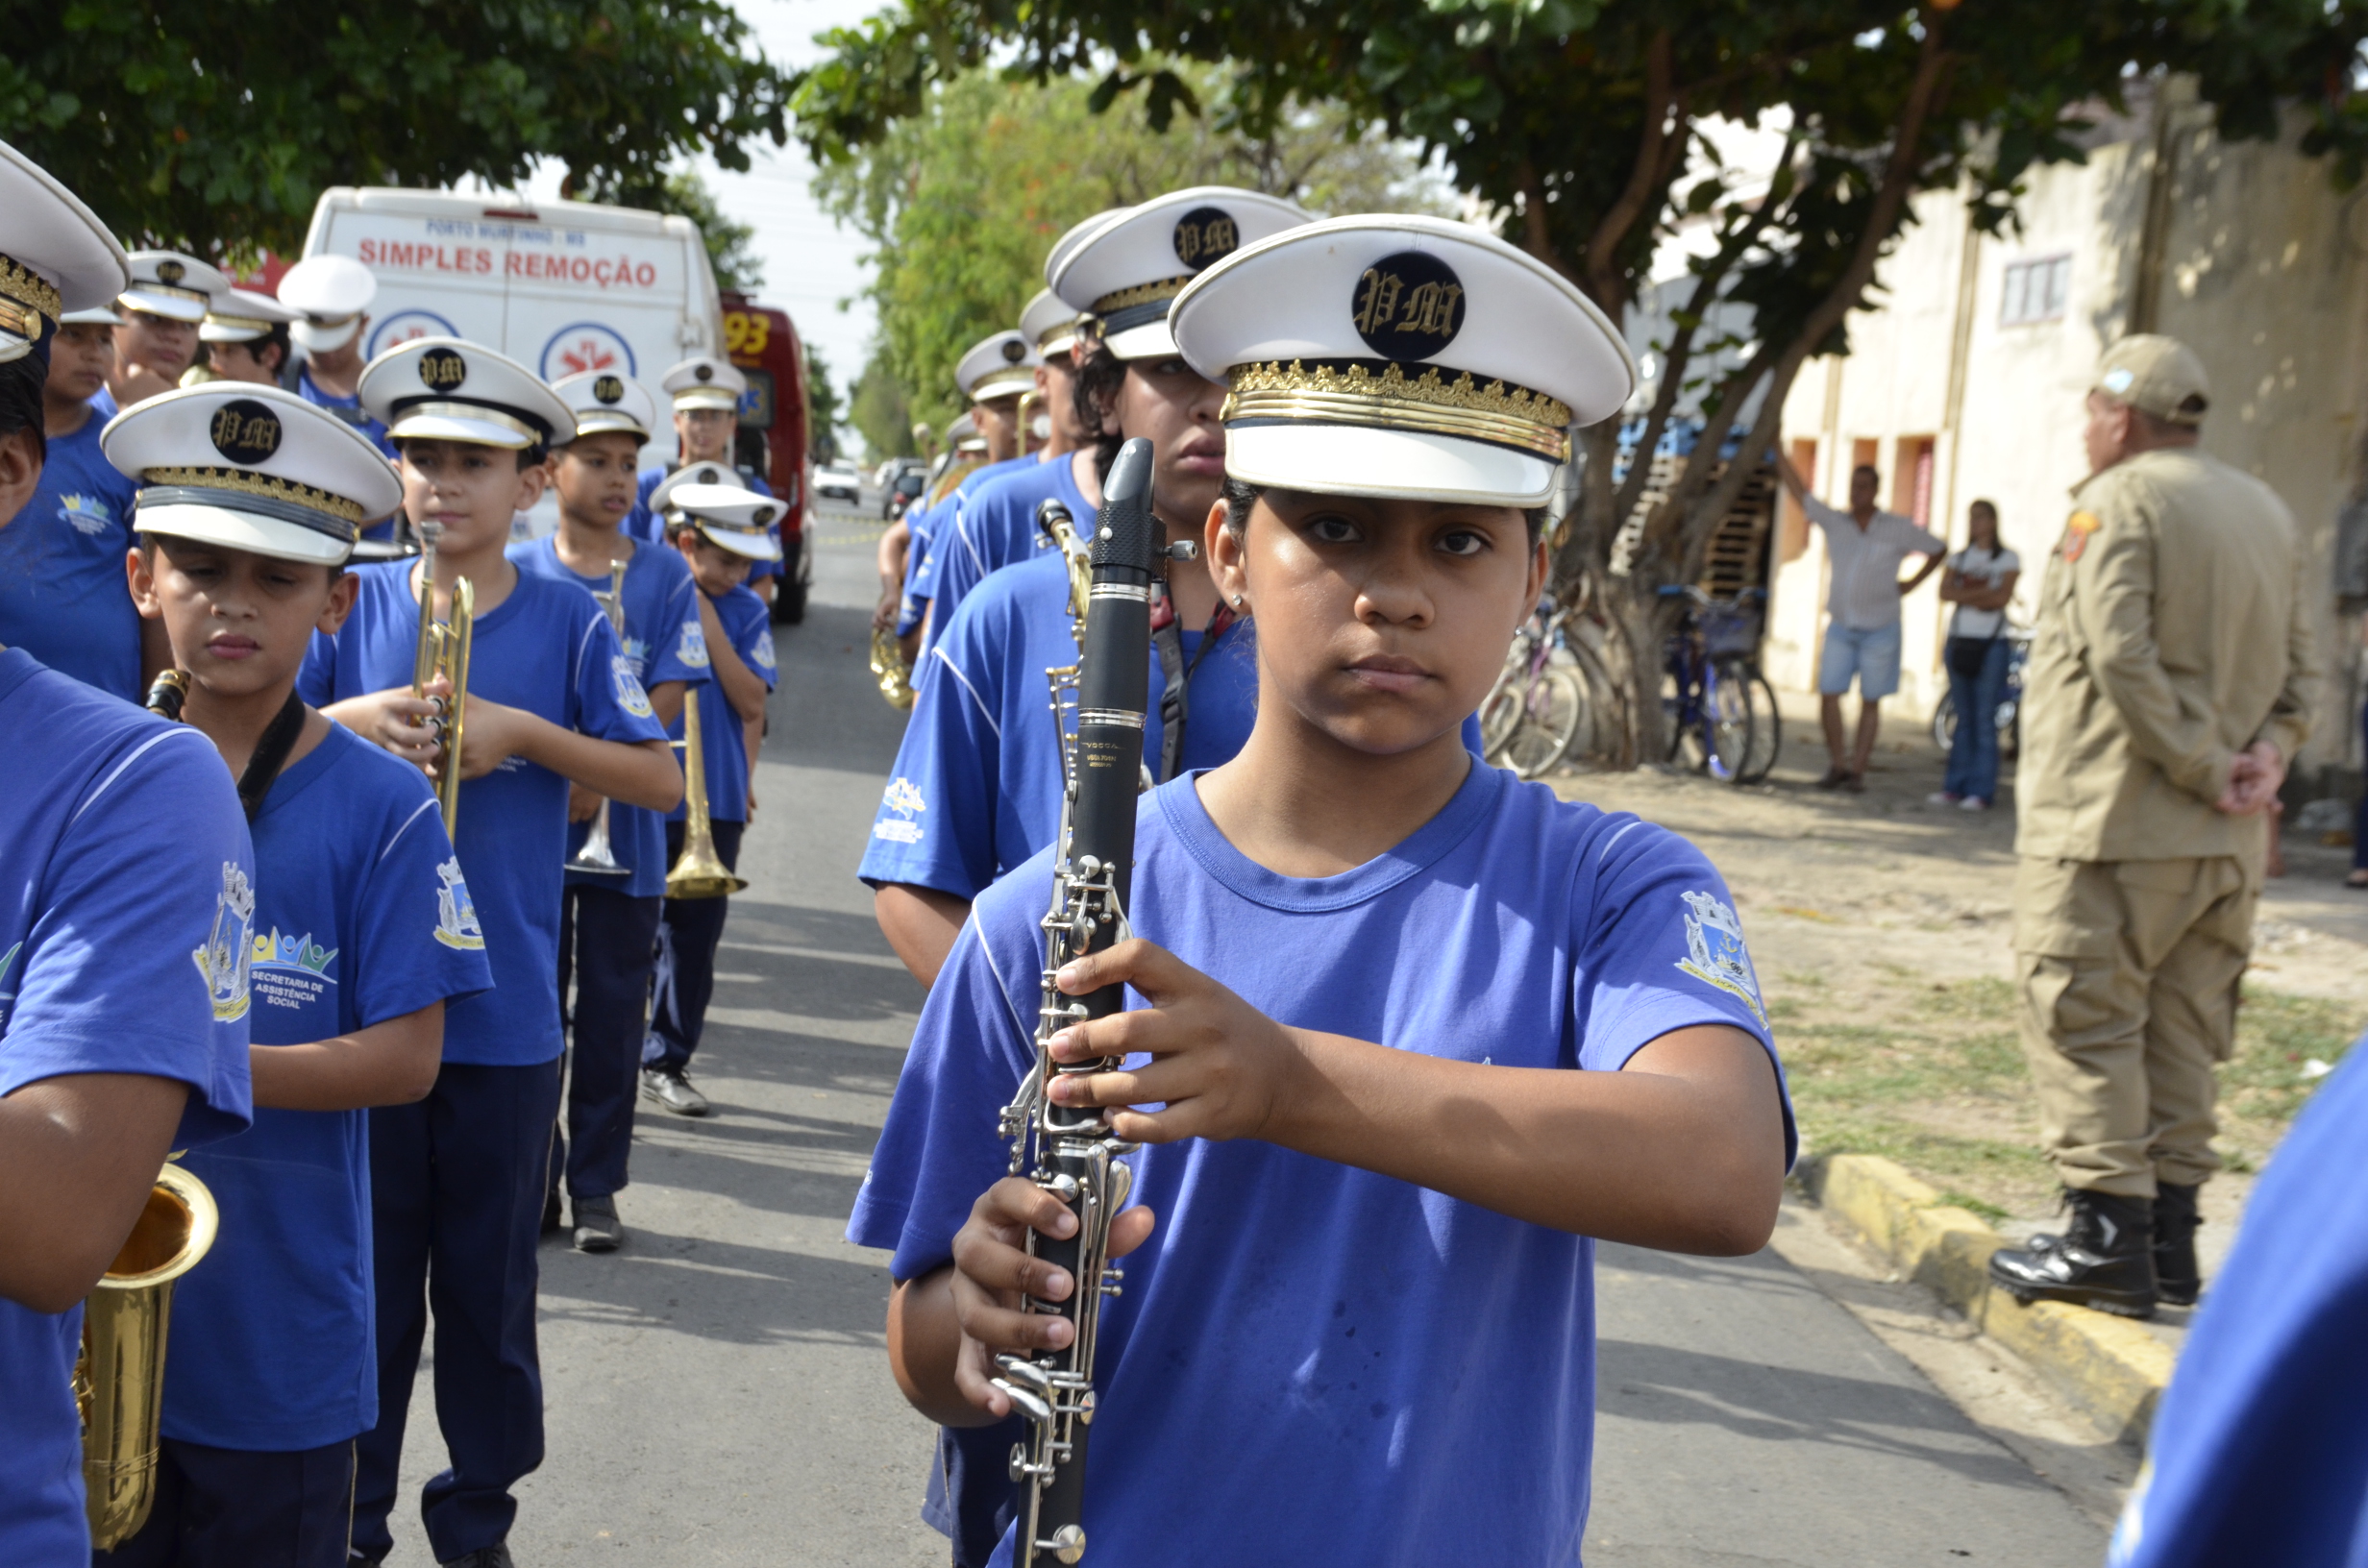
[358, 920]
[977, 787]
[548, 650]
[2259, 1450]
[663, 641]
[996, 527]
[63, 596]
[127, 906]
[723, 746]
[921, 564]
[642, 524]
[1392, 1376]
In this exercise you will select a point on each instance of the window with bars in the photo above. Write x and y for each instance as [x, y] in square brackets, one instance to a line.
[2036, 290]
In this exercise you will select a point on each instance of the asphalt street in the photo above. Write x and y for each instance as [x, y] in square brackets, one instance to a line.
[717, 1391]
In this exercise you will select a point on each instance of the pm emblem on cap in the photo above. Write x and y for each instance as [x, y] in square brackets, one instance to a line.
[704, 373]
[245, 432]
[761, 516]
[170, 272]
[1014, 350]
[1409, 306]
[1205, 236]
[442, 369]
[609, 389]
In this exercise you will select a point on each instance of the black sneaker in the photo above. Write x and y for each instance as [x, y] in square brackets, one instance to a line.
[2178, 1280]
[495, 1555]
[597, 1226]
[2104, 1260]
[671, 1087]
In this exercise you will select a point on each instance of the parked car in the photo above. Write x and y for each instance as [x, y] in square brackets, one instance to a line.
[902, 491]
[839, 480]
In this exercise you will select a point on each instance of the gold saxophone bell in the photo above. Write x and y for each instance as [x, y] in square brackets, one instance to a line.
[119, 1381]
[888, 667]
[699, 874]
[444, 651]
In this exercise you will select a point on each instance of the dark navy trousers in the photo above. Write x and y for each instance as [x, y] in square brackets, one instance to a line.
[235, 1508]
[609, 941]
[687, 939]
[972, 1498]
[457, 1207]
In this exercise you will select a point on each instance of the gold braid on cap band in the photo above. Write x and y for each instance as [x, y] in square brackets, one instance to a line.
[1126, 299]
[1500, 415]
[27, 288]
[263, 486]
[179, 292]
[216, 318]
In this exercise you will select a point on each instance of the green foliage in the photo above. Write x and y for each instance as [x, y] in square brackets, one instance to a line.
[2278, 1036]
[737, 266]
[214, 124]
[964, 197]
[822, 405]
[878, 411]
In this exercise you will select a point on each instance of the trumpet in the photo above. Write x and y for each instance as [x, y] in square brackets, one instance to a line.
[598, 856]
[444, 651]
[119, 1378]
[889, 669]
[1024, 419]
[700, 872]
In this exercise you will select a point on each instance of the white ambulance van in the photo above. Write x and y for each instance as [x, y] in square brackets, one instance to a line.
[559, 286]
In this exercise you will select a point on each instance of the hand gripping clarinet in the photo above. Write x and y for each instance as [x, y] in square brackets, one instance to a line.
[1073, 1156]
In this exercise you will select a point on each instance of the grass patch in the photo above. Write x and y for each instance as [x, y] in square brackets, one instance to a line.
[1930, 1075]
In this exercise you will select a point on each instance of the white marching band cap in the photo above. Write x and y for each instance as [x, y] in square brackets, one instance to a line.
[711, 474]
[1049, 325]
[605, 401]
[449, 389]
[962, 436]
[704, 382]
[738, 519]
[240, 316]
[1002, 366]
[1399, 356]
[57, 259]
[252, 468]
[1130, 270]
[1073, 235]
[330, 294]
[170, 284]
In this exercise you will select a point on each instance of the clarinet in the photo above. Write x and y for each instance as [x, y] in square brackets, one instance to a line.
[1067, 1151]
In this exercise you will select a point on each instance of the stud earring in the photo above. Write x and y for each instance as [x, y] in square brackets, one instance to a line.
[1237, 601]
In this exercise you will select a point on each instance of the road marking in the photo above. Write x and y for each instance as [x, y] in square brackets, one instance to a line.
[868, 960]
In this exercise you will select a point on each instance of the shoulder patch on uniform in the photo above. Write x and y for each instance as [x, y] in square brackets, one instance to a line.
[2076, 533]
[1714, 951]
[629, 695]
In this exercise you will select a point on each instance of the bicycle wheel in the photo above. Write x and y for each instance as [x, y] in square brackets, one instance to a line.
[1553, 709]
[1768, 724]
[1501, 714]
[1944, 721]
[1726, 721]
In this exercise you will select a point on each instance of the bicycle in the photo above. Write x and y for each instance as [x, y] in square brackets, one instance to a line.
[1537, 707]
[1720, 707]
[2009, 700]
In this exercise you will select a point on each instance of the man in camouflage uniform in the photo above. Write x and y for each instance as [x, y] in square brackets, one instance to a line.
[2170, 682]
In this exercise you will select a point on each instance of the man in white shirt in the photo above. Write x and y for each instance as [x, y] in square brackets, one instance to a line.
[1862, 636]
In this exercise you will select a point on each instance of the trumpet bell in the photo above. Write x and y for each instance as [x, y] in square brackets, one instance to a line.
[119, 1381]
[701, 876]
[889, 669]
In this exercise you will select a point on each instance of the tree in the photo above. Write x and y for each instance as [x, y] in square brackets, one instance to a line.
[822, 407]
[1574, 122]
[963, 199]
[879, 410]
[214, 124]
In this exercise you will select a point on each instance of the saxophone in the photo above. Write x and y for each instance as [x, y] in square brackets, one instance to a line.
[1072, 1153]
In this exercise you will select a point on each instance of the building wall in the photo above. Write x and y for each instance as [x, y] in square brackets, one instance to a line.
[2254, 261]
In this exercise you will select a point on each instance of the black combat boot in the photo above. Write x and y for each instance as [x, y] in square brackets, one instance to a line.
[2104, 1260]
[2177, 1278]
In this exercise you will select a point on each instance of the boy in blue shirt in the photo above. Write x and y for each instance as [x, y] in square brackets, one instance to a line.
[947, 824]
[718, 530]
[457, 1181]
[994, 375]
[1415, 1031]
[116, 1047]
[705, 393]
[62, 596]
[609, 923]
[363, 930]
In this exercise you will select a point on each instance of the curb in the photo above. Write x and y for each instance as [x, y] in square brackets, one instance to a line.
[2111, 1369]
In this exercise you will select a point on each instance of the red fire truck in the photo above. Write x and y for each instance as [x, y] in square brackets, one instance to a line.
[763, 343]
